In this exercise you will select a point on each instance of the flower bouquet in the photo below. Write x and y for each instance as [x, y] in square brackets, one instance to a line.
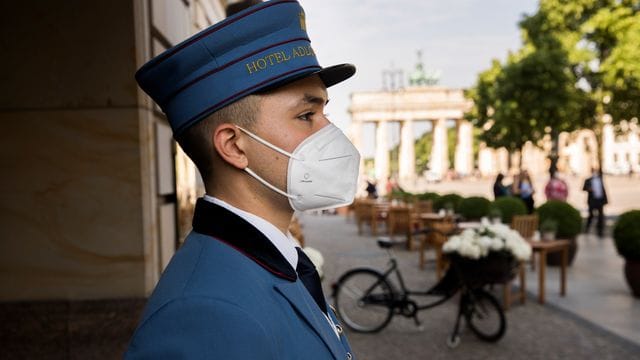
[487, 254]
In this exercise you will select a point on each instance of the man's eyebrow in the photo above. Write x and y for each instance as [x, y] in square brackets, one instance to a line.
[308, 98]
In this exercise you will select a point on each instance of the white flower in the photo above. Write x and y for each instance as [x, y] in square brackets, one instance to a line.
[478, 243]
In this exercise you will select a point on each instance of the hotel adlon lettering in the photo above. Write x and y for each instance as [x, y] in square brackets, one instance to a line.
[278, 57]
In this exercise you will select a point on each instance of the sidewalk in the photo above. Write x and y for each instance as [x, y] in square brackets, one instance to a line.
[534, 331]
[596, 288]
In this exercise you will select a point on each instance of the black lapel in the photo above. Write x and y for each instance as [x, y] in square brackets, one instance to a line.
[220, 223]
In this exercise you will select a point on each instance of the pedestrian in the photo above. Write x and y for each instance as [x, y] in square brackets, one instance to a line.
[596, 200]
[245, 99]
[372, 190]
[500, 189]
[556, 188]
[523, 188]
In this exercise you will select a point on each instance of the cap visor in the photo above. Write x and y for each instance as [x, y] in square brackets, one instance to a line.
[329, 76]
[336, 74]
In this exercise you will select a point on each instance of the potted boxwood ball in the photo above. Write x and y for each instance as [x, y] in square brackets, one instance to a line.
[447, 202]
[474, 207]
[508, 206]
[626, 236]
[569, 224]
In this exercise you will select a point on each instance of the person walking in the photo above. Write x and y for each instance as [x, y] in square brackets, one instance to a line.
[523, 188]
[499, 189]
[245, 99]
[596, 200]
[556, 188]
[372, 189]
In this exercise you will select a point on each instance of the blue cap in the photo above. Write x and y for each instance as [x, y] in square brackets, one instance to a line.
[259, 48]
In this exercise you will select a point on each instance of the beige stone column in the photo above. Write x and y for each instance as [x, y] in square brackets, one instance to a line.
[439, 162]
[464, 148]
[355, 134]
[407, 156]
[382, 156]
[634, 146]
[486, 160]
[502, 160]
[608, 145]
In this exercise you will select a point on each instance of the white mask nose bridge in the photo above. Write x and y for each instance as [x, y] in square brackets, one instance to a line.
[268, 144]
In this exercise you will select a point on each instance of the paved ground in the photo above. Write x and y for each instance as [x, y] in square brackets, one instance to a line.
[597, 290]
[534, 331]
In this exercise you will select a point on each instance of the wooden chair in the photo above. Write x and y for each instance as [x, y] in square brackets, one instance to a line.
[526, 225]
[372, 213]
[379, 215]
[363, 210]
[436, 239]
[423, 206]
[401, 221]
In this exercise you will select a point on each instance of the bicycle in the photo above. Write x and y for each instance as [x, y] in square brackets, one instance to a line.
[366, 300]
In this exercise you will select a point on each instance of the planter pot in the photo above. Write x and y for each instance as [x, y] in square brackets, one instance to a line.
[493, 269]
[632, 273]
[555, 258]
[548, 236]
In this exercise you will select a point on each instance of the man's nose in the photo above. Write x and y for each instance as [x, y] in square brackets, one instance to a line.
[322, 123]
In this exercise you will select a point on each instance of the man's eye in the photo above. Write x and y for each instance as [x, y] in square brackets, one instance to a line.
[306, 116]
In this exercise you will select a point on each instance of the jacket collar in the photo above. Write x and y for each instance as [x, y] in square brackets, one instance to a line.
[227, 227]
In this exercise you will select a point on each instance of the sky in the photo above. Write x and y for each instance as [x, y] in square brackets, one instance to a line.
[457, 37]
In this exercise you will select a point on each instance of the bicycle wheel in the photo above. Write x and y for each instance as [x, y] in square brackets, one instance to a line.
[485, 316]
[364, 300]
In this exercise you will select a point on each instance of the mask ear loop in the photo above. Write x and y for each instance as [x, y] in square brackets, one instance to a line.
[269, 145]
[258, 177]
[270, 186]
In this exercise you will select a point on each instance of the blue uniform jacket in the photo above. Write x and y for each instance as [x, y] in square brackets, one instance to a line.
[228, 293]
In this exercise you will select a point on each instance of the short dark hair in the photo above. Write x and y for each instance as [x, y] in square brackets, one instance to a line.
[196, 140]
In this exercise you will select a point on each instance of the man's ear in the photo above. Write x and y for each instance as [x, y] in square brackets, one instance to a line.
[230, 145]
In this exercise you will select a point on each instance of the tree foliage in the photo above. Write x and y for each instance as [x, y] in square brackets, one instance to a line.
[575, 54]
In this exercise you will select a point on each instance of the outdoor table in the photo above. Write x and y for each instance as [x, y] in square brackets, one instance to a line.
[431, 216]
[464, 225]
[543, 248]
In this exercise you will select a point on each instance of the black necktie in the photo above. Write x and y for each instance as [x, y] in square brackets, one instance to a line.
[309, 276]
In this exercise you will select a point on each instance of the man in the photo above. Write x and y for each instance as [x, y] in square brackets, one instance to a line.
[597, 199]
[245, 99]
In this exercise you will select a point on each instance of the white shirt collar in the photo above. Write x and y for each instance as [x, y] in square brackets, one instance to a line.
[283, 242]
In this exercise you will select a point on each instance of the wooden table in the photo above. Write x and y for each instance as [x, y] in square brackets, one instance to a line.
[543, 248]
[464, 225]
[431, 216]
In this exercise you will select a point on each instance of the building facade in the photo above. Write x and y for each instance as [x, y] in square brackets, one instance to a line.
[92, 198]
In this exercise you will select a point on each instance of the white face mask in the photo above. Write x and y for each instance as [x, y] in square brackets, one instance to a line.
[323, 170]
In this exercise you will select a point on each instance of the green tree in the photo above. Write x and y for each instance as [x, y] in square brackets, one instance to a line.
[575, 54]
[615, 32]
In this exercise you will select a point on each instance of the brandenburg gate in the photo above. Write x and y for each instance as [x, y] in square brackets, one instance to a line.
[407, 106]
